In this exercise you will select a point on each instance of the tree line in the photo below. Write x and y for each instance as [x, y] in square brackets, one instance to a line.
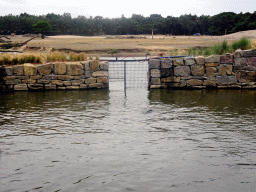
[220, 24]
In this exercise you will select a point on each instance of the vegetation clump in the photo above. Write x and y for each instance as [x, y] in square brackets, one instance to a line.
[10, 59]
[244, 43]
[222, 48]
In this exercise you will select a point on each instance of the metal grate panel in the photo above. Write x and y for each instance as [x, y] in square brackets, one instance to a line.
[133, 73]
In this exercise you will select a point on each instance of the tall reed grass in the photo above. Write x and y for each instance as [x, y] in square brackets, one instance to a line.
[11, 59]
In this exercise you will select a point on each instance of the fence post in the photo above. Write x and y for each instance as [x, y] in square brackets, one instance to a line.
[125, 75]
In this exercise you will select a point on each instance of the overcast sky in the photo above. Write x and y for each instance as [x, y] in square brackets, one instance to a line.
[117, 8]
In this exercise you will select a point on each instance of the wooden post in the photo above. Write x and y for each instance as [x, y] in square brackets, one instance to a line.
[152, 33]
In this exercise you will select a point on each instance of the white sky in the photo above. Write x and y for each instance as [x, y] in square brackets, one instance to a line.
[115, 8]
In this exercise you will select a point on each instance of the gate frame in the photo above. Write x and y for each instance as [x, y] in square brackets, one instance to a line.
[125, 61]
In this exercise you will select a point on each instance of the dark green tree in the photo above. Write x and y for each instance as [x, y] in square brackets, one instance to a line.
[42, 26]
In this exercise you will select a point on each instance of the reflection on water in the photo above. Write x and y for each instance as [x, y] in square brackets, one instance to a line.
[128, 140]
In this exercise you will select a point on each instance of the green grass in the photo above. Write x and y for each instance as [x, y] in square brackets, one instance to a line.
[222, 48]
[244, 43]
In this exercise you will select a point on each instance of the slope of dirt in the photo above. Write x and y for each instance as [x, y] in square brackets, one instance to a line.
[251, 34]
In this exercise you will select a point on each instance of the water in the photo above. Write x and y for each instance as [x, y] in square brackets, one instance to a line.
[128, 140]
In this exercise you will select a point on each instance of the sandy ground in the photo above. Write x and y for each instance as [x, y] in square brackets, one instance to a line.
[102, 45]
[250, 34]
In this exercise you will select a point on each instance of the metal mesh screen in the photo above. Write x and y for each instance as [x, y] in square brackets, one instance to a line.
[132, 73]
[116, 70]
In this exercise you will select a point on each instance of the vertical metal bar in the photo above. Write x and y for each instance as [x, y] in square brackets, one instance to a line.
[125, 75]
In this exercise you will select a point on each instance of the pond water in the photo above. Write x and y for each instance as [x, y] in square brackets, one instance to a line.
[128, 140]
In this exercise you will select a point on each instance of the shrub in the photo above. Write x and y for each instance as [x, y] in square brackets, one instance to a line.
[207, 51]
[244, 43]
[30, 59]
[115, 51]
[224, 47]
[200, 51]
[72, 56]
[15, 60]
[82, 57]
[6, 59]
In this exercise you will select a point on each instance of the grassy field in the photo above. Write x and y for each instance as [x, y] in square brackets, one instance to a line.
[140, 45]
[103, 46]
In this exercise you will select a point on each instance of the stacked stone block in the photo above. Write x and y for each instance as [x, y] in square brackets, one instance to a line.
[236, 70]
[57, 76]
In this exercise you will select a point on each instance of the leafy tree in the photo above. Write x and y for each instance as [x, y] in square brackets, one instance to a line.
[55, 24]
[42, 26]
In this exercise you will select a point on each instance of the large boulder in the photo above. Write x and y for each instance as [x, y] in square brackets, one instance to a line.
[246, 76]
[9, 70]
[240, 63]
[65, 77]
[225, 69]
[45, 69]
[178, 61]
[154, 64]
[18, 70]
[77, 82]
[102, 80]
[194, 82]
[155, 73]
[226, 80]
[20, 87]
[211, 71]
[189, 61]
[50, 77]
[100, 74]
[249, 53]
[90, 80]
[213, 59]
[200, 60]
[197, 70]
[60, 68]
[29, 69]
[227, 59]
[166, 72]
[166, 63]
[87, 68]
[155, 81]
[95, 65]
[75, 68]
[210, 83]
[182, 71]
[171, 79]
[104, 66]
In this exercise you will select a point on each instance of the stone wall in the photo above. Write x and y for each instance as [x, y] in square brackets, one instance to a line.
[55, 76]
[236, 70]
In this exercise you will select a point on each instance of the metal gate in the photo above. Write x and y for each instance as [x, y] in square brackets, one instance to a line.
[133, 73]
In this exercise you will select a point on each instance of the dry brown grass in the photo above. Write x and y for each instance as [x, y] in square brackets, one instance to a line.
[33, 57]
[160, 44]
[253, 44]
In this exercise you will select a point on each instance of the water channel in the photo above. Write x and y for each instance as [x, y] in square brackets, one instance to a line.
[128, 140]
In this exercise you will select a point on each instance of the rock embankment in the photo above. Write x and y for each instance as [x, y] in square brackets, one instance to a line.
[55, 76]
[236, 70]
